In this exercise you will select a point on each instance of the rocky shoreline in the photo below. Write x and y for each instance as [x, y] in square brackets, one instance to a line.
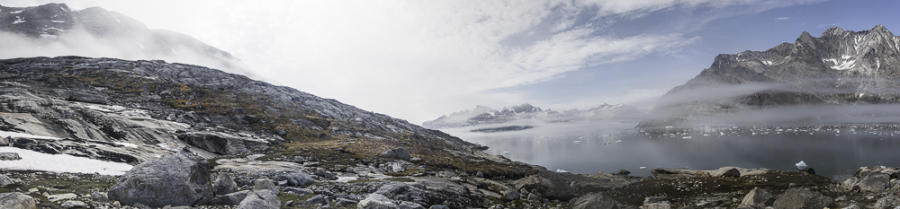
[185, 180]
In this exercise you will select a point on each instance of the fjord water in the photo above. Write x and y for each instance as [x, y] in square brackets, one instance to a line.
[584, 148]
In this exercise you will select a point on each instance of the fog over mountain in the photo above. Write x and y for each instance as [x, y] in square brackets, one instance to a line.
[56, 30]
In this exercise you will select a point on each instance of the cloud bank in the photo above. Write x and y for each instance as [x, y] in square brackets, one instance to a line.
[417, 59]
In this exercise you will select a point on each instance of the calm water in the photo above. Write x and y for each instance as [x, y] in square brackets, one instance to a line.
[583, 148]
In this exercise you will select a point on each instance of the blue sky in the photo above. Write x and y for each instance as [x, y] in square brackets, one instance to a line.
[417, 60]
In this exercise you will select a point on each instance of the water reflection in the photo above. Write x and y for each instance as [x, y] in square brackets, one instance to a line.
[589, 148]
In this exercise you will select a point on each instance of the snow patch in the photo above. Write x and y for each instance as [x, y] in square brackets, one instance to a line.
[126, 144]
[19, 20]
[5, 134]
[767, 62]
[16, 12]
[32, 160]
[843, 64]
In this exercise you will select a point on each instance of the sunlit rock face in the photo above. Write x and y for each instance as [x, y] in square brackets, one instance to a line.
[839, 67]
[57, 30]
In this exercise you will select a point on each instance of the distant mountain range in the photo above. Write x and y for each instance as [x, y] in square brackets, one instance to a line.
[838, 68]
[56, 30]
[526, 115]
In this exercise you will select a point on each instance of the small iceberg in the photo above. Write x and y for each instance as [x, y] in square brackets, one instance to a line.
[801, 165]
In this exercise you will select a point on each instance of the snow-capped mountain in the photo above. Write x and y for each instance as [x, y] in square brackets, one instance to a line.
[838, 68]
[56, 30]
[528, 114]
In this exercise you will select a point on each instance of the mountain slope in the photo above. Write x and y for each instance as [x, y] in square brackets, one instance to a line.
[55, 29]
[838, 68]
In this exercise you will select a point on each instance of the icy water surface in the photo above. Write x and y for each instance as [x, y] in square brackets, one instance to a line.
[581, 148]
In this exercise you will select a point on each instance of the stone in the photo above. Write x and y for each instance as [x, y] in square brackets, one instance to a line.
[64, 196]
[757, 198]
[74, 204]
[410, 205]
[16, 200]
[341, 202]
[377, 201]
[260, 199]
[221, 143]
[887, 202]
[233, 198]
[622, 172]
[396, 153]
[296, 190]
[266, 184]
[511, 195]
[594, 201]
[801, 198]
[224, 185]
[5, 180]
[874, 182]
[318, 199]
[439, 207]
[726, 172]
[99, 196]
[295, 179]
[657, 205]
[9, 156]
[178, 179]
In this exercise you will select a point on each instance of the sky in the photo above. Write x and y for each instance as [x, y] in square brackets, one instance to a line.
[418, 60]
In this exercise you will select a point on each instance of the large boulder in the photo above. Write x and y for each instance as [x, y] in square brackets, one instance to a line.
[396, 153]
[295, 179]
[757, 198]
[9, 156]
[871, 179]
[224, 185]
[5, 180]
[16, 200]
[260, 199]
[801, 198]
[178, 179]
[887, 202]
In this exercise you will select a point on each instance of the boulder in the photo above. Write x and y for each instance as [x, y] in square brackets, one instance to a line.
[266, 184]
[99, 196]
[396, 153]
[9, 156]
[377, 201]
[757, 198]
[16, 200]
[887, 202]
[801, 198]
[317, 200]
[295, 179]
[594, 201]
[725, 172]
[233, 198]
[5, 180]
[74, 204]
[260, 199]
[224, 185]
[177, 179]
[876, 182]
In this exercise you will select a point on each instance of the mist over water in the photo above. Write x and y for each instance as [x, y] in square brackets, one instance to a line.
[591, 147]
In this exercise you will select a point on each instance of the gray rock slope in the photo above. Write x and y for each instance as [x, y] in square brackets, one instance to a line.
[839, 67]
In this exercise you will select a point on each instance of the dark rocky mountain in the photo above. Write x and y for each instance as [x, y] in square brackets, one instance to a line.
[59, 30]
[838, 68]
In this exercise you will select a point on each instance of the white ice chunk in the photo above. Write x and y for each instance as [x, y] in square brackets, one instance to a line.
[801, 165]
[19, 20]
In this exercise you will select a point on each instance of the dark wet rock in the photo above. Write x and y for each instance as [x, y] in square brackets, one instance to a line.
[726, 172]
[396, 153]
[260, 199]
[16, 200]
[221, 143]
[594, 201]
[622, 172]
[801, 198]
[757, 198]
[9, 156]
[177, 179]
[224, 185]
[295, 179]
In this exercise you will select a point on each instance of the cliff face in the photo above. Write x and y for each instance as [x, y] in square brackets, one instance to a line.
[839, 67]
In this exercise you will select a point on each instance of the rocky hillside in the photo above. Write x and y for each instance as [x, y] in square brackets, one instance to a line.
[838, 68]
[58, 30]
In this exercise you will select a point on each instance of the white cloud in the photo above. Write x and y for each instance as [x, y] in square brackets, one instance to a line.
[409, 59]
